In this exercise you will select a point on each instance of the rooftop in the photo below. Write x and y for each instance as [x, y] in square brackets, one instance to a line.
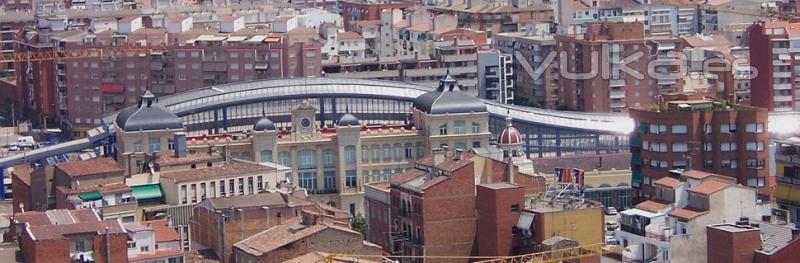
[89, 167]
[198, 157]
[708, 187]
[687, 214]
[282, 235]
[48, 232]
[235, 167]
[668, 182]
[500, 185]
[56, 216]
[241, 201]
[619, 161]
[652, 206]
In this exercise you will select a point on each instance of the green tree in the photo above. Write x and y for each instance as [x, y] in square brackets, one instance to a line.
[360, 224]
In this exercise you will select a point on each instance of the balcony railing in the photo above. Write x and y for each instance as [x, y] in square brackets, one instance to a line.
[789, 180]
[633, 230]
[795, 159]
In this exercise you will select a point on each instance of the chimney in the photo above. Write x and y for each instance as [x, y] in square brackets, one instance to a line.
[179, 143]
[457, 156]
[439, 155]
[469, 4]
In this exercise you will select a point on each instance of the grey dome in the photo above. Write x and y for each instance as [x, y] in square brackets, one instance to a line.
[349, 119]
[264, 124]
[448, 98]
[148, 115]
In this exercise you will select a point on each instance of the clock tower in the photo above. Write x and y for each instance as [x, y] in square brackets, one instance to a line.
[304, 121]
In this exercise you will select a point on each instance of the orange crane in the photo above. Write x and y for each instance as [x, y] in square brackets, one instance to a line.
[31, 56]
[552, 256]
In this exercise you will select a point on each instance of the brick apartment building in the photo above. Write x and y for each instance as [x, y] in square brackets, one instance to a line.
[687, 132]
[165, 60]
[429, 200]
[611, 89]
[772, 53]
[357, 11]
[240, 217]
[64, 236]
[494, 17]
[751, 243]
[530, 48]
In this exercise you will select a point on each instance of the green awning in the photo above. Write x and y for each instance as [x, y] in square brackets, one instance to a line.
[147, 191]
[90, 196]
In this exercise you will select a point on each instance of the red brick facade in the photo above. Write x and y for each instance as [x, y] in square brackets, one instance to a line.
[498, 210]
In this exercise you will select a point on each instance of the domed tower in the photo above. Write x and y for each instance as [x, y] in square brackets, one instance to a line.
[449, 116]
[510, 141]
[265, 138]
[144, 128]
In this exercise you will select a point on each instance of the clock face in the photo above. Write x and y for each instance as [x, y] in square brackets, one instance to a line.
[305, 123]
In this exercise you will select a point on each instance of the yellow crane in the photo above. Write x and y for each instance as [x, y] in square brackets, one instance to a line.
[552, 256]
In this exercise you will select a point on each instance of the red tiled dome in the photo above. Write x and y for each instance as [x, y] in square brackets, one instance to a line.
[509, 136]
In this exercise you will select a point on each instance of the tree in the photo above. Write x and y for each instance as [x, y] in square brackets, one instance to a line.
[360, 224]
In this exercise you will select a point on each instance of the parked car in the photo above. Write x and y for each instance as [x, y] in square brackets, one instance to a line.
[13, 147]
[611, 211]
[612, 241]
[26, 142]
[610, 226]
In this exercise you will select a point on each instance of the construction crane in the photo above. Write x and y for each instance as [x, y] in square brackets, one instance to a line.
[32, 56]
[552, 256]
[764, 13]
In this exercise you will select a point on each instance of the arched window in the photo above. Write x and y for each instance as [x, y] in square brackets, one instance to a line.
[461, 145]
[266, 156]
[234, 155]
[398, 152]
[364, 153]
[329, 158]
[247, 156]
[387, 152]
[350, 154]
[284, 159]
[476, 144]
[409, 151]
[420, 150]
[306, 159]
[376, 153]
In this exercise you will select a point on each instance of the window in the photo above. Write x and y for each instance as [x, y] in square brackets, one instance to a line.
[306, 159]
[350, 154]
[658, 128]
[443, 129]
[476, 144]
[707, 128]
[476, 128]
[755, 163]
[755, 146]
[515, 208]
[409, 151]
[708, 147]
[155, 144]
[728, 164]
[679, 129]
[387, 152]
[727, 146]
[376, 175]
[754, 128]
[420, 149]
[680, 147]
[137, 146]
[398, 152]
[350, 178]
[283, 159]
[145, 248]
[459, 126]
[266, 156]
[80, 246]
[727, 128]
[330, 180]
[241, 186]
[308, 180]
[364, 153]
[755, 182]
[375, 153]
[329, 158]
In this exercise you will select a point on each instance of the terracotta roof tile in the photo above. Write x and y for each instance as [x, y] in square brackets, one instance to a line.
[652, 206]
[156, 254]
[23, 172]
[199, 157]
[59, 231]
[235, 167]
[163, 232]
[406, 176]
[349, 36]
[668, 182]
[89, 167]
[708, 187]
[37, 218]
[696, 174]
[687, 214]
[241, 201]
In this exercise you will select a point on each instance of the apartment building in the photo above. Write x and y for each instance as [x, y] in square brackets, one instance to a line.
[772, 52]
[153, 241]
[691, 133]
[536, 80]
[787, 171]
[671, 226]
[164, 60]
[602, 83]
[494, 17]
[495, 71]
[746, 241]
[354, 12]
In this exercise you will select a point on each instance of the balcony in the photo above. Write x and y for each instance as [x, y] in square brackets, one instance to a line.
[666, 81]
[459, 58]
[633, 230]
[323, 191]
[793, 159]
[617, 94]
[789, 180]
[782, 86]
[782, 98]
[782, 74]
[617, 83]
[616, 105]
[118, 209]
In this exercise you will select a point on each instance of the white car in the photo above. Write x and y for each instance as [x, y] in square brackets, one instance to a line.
[612, 241]
[611, 211]
[13, 148]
